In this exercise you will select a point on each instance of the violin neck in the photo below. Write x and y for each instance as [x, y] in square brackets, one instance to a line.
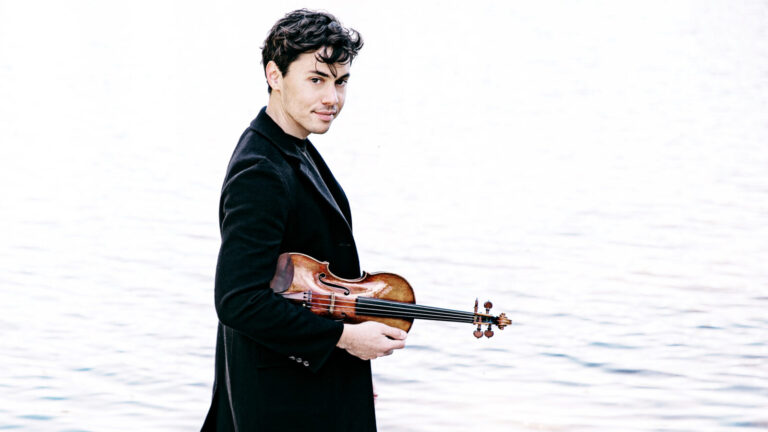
[391, 309]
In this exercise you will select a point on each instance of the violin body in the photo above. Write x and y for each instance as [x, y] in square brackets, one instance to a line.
[383, 297]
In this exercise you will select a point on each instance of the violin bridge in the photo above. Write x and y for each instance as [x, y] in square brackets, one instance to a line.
[333, 302]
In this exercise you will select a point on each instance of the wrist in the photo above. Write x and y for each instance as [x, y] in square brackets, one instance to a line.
[343, 341]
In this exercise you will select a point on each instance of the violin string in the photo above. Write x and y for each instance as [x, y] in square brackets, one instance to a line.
[415, 313]
[379, 307]
[397, 314]
[378, 311]
[410, 306]
[405, 310]
[389, 306]
[367, 304]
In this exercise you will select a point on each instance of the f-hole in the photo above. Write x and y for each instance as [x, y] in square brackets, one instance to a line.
[322, 276]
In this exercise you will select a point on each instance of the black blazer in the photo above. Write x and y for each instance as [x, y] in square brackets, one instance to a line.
[277, 365]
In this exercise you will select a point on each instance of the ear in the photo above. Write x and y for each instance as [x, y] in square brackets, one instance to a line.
[274, 76]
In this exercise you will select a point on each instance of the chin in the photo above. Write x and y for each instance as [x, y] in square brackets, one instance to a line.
[319, 130]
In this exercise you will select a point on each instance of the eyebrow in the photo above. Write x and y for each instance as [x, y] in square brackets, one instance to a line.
[325, 75]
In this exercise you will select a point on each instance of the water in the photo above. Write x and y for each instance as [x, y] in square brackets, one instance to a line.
[599, 172]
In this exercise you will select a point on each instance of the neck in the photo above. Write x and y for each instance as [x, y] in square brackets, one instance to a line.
[276, 112]
[387, 308]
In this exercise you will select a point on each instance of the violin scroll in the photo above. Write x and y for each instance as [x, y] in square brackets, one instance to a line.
[503, 321]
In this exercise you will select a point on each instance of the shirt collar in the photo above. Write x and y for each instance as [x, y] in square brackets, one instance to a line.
[288, 144]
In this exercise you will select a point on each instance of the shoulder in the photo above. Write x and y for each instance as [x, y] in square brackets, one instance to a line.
[256, 152]
[254, 146]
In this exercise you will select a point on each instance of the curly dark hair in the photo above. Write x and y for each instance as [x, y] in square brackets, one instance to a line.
[305, 30]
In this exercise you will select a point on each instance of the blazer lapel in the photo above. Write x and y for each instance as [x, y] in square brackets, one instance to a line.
[289, 146]
[320, 187]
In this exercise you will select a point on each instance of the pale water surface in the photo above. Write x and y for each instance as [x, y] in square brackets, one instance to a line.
[599, 170]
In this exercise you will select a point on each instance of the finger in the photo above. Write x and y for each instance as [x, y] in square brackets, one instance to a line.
[397, 344]
[394, 333]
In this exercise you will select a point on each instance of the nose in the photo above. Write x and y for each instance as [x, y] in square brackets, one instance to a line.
[331, 95]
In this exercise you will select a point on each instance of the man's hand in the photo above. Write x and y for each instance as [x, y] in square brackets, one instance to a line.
[370, 339]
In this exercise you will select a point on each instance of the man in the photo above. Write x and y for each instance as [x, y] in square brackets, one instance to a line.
[278, 366]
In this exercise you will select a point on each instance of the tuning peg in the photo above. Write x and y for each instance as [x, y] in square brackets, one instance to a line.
[489, 332]
[478, 333]
[488, 305]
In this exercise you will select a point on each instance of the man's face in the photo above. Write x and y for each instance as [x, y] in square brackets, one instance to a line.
[310, 95]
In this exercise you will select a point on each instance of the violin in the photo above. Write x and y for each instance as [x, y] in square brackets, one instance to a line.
[383, 297]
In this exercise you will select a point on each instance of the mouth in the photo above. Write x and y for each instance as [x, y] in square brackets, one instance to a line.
[325, 115]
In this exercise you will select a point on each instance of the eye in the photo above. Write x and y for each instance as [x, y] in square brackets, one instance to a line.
[316, 80]
[341, 83]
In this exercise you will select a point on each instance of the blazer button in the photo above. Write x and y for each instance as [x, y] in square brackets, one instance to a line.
[298, 359]
[306, 363]
[292, 357]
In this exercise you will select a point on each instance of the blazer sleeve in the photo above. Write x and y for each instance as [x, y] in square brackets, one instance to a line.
[254, 209]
